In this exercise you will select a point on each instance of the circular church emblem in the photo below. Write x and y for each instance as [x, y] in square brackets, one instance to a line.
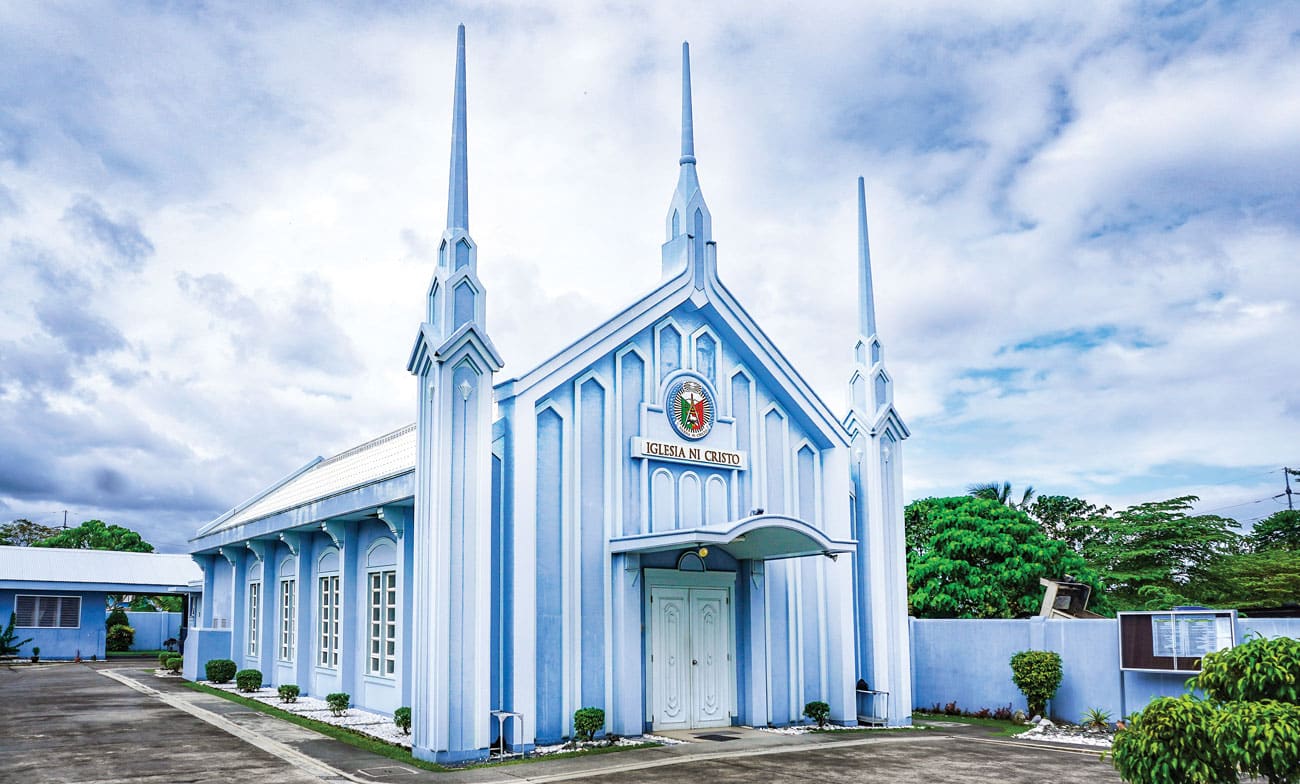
[690, 409]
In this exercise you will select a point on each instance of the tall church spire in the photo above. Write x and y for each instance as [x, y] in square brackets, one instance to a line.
[688, 215]
[688, 122]
[458, 181]
[866, 300]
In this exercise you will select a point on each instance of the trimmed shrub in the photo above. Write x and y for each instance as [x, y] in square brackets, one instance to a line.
[116, 618]
[818, 711]
[248, 680]
[1038, 675]
[1259, 738]
[220, 670]
[163, 657]
[1258, 669]
[402, 718]
[338, 702]
[119, 638]
[288, 692]
[175, 663]
[1169, 742]
[587, 722]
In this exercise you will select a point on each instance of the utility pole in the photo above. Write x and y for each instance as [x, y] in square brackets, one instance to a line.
[1287, 473]
[65, 519]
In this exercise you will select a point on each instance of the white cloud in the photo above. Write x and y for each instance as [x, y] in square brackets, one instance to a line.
[287, 169]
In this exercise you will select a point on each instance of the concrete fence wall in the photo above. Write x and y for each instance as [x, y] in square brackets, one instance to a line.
[969, 662]
[153, 628]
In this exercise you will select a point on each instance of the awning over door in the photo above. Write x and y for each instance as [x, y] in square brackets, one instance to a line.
[761, 538]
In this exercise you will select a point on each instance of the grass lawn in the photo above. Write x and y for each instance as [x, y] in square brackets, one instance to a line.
[377, 746]
[1004, 728]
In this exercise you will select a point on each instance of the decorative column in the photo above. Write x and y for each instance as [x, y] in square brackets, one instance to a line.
[453, 361]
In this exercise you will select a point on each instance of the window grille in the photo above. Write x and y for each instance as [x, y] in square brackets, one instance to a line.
[287, 617]
[383, 623]
[254, 593]
[329, 621]
[48, 612]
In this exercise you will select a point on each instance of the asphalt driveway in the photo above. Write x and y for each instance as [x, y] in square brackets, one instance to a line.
[72, 725]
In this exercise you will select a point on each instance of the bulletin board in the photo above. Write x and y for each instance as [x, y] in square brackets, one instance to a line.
[1173, 640]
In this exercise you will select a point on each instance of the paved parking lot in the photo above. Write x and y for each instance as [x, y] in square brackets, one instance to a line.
[72, 725]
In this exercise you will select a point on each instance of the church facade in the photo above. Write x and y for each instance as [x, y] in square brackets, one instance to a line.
[662, 520]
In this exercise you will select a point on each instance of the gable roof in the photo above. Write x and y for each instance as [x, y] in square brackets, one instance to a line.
[702, 287]
[382, 458]
[21, 567]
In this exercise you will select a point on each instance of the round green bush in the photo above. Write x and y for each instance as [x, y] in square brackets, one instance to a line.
[119, 638]
[248, 680]
[338, 702]
[1038, 675]
[1169, 742]
[587, 722]
[1258, 669]
[402, 718]
[174, 663]
[288, 692]
[163, 657]
[1260, 738]
[220, 670]
[818, 711]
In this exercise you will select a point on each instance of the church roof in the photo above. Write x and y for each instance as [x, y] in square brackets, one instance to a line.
[28, 567]
[389, 455]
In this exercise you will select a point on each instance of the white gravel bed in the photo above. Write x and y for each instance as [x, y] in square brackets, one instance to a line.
[804, 729]
[376, 725]
[1051, 733]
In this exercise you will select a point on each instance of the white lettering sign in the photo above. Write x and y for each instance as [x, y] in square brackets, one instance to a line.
[689, 453]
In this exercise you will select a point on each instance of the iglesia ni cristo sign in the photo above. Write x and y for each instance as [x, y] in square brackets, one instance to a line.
[687, 453]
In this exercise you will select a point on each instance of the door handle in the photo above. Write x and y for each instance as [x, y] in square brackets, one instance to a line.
[694, 661]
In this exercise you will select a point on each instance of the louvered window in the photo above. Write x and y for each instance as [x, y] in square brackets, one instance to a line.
[48, 612]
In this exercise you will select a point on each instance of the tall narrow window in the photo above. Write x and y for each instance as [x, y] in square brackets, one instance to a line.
[287, 618]
[383, 623]
[329, 621]
[254, 594]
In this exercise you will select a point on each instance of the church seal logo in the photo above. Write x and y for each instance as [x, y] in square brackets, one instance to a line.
[690, 409]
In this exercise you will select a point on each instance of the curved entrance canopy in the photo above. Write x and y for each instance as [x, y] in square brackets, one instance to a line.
[760, 538]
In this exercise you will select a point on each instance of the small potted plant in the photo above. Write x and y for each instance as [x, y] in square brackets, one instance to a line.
[36, 653]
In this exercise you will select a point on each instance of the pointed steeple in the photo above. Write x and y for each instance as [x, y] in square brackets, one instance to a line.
[688, 121]
[688, 215]
[458, 181]
[866, 300]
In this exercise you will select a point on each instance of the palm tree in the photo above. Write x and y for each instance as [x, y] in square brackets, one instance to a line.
[1002, 494]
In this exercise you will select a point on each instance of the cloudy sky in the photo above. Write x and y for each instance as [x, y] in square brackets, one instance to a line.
[216, 225]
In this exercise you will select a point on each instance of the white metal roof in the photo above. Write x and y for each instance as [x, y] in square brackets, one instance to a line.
[385, 457]
[108, 567]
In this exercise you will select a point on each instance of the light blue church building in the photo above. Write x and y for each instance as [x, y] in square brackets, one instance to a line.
[662, 520]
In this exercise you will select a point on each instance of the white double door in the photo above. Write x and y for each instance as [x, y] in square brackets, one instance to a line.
[691, 672]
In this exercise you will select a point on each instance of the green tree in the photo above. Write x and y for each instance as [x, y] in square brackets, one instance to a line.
[1002, 494]
[1264, 578]
[22, 532]
[1280, 530]
[1148, 553]
[982, 559]
[1066, 518]
[97, 535]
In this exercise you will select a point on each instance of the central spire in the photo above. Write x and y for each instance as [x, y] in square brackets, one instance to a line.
[688, 122]
[687, 213]
[458, 181]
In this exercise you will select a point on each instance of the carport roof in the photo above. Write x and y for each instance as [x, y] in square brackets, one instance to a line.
[54, 568]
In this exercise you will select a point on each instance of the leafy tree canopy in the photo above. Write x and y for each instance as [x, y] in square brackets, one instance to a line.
[96, 535]
[1268, 578]
[1002, 494]
[1066, 518]
[978, 558]
[1278, 530]
[21, 533]
[1148, 553]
